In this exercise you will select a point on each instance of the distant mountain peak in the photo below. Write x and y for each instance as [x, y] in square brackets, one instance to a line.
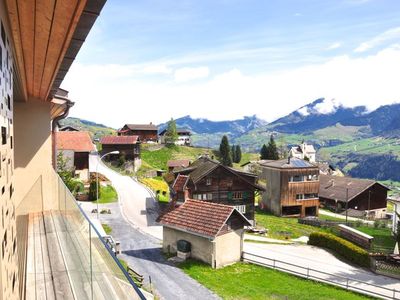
[320, 106]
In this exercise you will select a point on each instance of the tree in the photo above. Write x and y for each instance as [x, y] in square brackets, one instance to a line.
[264, 152]
[64, 172]
[238, 154]
[93, 190]
[171, 134]
[225, 152]
[272, 149]
[233, 153]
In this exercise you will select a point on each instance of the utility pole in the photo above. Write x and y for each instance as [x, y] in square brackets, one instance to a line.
[347, 202]
[369, 203]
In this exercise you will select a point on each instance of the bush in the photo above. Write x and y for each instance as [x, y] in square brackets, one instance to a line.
[93, 190]
[344, 248]
[376, 224]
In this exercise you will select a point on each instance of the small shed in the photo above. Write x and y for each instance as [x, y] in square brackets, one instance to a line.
[215, 231]
[176, 164]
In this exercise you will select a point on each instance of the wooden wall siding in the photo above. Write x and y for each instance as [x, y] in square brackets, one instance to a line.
[130, 151]
[378, 199]
[42, 31]
[223, 183]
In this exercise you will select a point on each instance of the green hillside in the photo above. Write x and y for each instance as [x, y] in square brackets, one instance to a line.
[95, 130]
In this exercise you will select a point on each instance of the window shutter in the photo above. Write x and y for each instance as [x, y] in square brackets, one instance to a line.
[229, 195]
[245, 195]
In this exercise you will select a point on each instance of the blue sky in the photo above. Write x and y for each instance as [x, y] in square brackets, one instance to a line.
[224, 59]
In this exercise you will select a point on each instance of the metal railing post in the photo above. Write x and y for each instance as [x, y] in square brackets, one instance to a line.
[308, 272]
[273, 263]
[347, 283]
[91, 264]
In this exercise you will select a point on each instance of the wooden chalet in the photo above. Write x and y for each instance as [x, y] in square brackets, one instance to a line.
[147, 133]
[176, 164]
[292, 187]
[208, 180]
[129, 146]
[364, 195]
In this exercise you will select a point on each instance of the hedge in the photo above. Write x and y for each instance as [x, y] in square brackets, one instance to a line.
[344, 248]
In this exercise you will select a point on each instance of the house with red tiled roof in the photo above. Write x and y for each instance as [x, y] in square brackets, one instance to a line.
[75, 147]
[215, 231]
[127, 145]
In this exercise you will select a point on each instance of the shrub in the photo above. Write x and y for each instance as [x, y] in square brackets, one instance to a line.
[358, 223]
[344, 248]
[376, 224]
[93, 190]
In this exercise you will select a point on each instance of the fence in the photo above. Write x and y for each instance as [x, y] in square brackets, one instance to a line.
[337, 280]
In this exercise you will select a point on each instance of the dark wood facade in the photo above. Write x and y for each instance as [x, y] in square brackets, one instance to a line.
[131, 152]
[146, 133]
[291, 191]
[225, 187]
[375, 197]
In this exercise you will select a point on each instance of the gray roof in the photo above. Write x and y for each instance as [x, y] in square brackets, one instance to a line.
[335, 187]
[141, 126]
[289, 163]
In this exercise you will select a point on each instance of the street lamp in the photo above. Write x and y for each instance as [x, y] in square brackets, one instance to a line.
[97, 178]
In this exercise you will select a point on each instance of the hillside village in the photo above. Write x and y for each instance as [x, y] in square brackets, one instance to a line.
[277, 199]
[180, 211]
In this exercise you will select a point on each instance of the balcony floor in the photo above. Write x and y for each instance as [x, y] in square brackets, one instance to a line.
[59, 264]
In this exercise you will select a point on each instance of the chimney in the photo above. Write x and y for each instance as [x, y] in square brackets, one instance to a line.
[151, 123]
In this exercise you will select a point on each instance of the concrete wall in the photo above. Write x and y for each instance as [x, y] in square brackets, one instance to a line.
[202, 248]
[224, 249]
[33, 153]
[228, 248]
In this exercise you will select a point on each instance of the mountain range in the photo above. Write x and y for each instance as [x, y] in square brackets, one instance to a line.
[362, 143]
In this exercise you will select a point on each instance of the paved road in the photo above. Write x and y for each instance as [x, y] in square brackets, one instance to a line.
[322, 260]
[136, 202]
[132, 223]
[143, 253]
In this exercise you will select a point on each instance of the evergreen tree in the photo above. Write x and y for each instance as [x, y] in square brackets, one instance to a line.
[272, 149]
[225, 152]
[264, 152]
[238, 154]
[233, 153]
[171, 135]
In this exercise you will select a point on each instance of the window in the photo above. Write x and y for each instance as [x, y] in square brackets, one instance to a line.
[3, 34]
[8, 102]
[311, 177]
[237, 195]
[296, 178]
[208, 181]
[241, 208]
[306, 196]
[3, 135]
[299, 196]
[11, 141]
[209, 196]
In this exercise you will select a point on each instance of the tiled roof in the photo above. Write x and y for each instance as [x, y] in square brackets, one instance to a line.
[78, 141]
[141, 126]
[183, 163]
[119, 140]
[292, 163]
[180, 183]
[199, 217]
[334, 187]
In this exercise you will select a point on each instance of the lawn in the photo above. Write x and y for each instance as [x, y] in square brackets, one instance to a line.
[280, 227]
[157, 184]
[248, 281]
[107, 194]
[382, 237]
[107, 228]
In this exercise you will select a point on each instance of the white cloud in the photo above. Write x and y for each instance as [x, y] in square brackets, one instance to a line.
[327, 106]
[114, 95]
[156, 69]
[334, 46]
[387, 36]
[188, 74]
[303, 111]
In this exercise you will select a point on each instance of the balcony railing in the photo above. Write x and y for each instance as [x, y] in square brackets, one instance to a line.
[65, 255]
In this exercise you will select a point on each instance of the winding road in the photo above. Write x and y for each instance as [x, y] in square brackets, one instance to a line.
[133, 224]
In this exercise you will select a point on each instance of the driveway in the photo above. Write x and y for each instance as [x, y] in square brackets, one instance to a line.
[321, 260]
[137, 204]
